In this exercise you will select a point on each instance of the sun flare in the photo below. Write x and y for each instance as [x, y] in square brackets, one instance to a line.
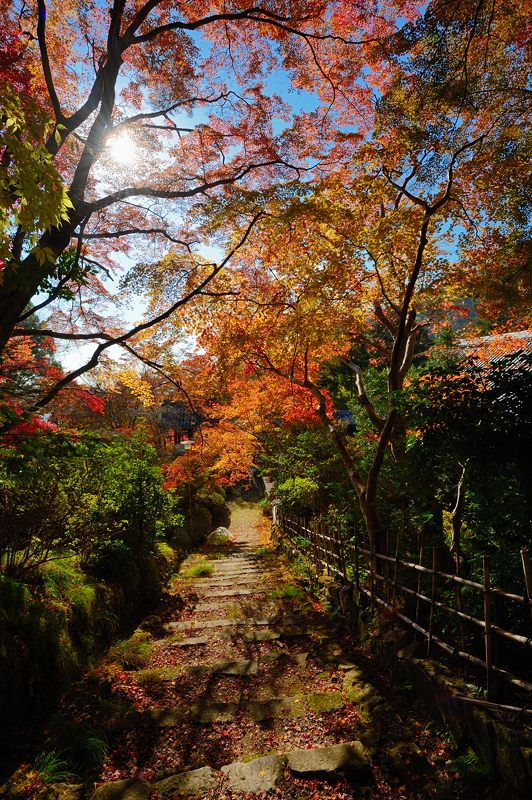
[122, 149]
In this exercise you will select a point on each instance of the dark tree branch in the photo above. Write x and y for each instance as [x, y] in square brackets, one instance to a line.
[45, 61]
[109, 340]
[54, 294]
[161, 371]
[135, 232]
[362, 396]
[167, 194]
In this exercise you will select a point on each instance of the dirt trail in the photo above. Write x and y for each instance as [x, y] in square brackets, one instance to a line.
[246, 687]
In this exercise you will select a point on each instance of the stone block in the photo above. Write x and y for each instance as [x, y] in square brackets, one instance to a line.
[260, 775]
[130, 789]
[214, 712]
[194, 783]
[348, 759]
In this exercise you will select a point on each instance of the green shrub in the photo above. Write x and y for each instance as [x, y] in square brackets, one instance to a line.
[298, 494]
[200, 525]
[66, 494]
[220, 511]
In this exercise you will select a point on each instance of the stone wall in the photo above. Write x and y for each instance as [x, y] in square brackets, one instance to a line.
[502, 744]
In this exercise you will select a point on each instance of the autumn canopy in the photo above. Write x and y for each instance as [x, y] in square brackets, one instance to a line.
[276, 187]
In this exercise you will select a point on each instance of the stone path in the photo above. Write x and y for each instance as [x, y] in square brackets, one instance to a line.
[247, 693]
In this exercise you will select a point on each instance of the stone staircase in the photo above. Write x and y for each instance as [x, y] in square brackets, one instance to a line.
[238, 657]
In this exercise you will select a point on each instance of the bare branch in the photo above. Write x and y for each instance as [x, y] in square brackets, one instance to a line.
[401, 188]
[54, 294]
[161, 371]
[381, 316]
[450, 174]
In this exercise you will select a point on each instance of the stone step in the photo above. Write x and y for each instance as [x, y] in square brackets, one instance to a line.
[276, 708]
[241, 577]
[233, 592]
[192, 641]
[200, 624]
[205, 713]
[195, 783]
[202, 608]
[260, 775]
[260, 636]
[223, 575]
[294, 659]
[233, 575]
[240, 668]
[247, 668]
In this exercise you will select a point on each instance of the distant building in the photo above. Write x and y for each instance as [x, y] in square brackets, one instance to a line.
[179, 421]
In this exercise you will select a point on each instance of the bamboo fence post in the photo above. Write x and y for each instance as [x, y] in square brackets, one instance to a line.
[322, 550]
[314, 540]
[459, 604]
[337, 550]
[395, 569]
[488, 632]
[386, 571]
[343, 569]
[357, 564]
[498, 643]
[418, 585]
[432, 606]
[527, 571]
[372, 574]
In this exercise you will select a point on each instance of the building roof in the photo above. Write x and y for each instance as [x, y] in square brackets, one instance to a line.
[495, 348]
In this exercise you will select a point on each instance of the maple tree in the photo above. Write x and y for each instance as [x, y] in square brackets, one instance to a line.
[412, 154]
[131, 73]
[381, 244]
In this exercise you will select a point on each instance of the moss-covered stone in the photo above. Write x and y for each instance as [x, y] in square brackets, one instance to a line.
[324, 701]
[160, 675]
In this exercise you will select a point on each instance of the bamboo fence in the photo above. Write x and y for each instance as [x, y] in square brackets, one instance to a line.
[396, 585]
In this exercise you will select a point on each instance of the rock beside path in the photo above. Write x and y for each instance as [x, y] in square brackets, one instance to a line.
[194, 783]
[260, 775]
[347, 759]
[130, 789]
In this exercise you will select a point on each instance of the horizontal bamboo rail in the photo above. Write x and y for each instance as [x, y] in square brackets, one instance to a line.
[329, 553]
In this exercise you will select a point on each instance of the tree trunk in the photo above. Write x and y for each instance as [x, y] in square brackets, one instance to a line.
[22, 284]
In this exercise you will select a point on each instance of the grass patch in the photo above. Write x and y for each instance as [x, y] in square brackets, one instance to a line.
[467, 765]
[265, 552]
[52, 768]
[80, 748]
[132, 653]
[233, 611]
[202, 569]
[289, 592]
[167, 553]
